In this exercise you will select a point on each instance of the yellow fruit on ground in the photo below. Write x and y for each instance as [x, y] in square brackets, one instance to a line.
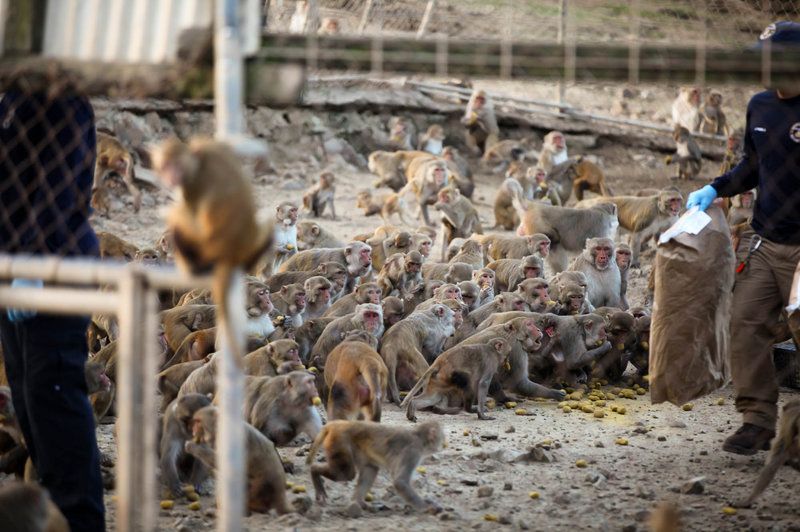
[316, 401]
[566, 409]
[687, 407]
[289, 485]
[533, 495]
[192, 496]
[727, 510]
[466, 432]
[167, 505]
[621, 410]
[640, 391]
[600, 402]
[490, 517]
[442, 482]
[521, 412]
[511, 404]
[721, 401]
[368, 497]
[421, 470]
[599, 413]
[298, 489]
[621, 441]
[195, 506]
[581, 463]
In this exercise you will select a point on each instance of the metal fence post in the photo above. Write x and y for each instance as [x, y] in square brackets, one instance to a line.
[562, 30]
[426, 18]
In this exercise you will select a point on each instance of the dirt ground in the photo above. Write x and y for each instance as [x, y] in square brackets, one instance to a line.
[476, 479]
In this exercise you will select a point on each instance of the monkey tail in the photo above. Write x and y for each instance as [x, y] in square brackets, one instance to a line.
[312, 452]
[373, 380]
[515, 189]
[220, 289]
[423, 381]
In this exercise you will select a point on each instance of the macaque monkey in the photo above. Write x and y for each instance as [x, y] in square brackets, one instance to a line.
[480, 123]
[148, 257]
[510, 272]
[398, 243]
[733, 152]
[560, 280]
[27, 507]
[180, 322]
[535, 292]
[406, 347]
[356, 256]
[100, 389]
[389, 167]
[499, 156]
[363, 448]
[177, 467]
[470, 252]
[460, 219]
[542, 189]
[329, 26]
[276, 358]
[318, 297]
[401, 133]
[114, 247]
[432, 140]
[686, 109]
[574, 176]
[463, 370]
[425, 185]
[485, 278]
[320, 196]
[554, 151]
[312, 235]
[470, 294]
[285, 407]
[299, 23]
[423, 243]
[687, 154]
[623, 258]
[452, 155]
[505, 215]
[386, 205]
[645, 217]
[170, 380]
[196, 346]
[785, 448]
[503, 302]
[367, 316]
[401, 275]
[364, 293]
[112, 157]
[355, 376]
[266, 480]
[572, 300]
[712, 119]
[599, 264]
[741, 207]
[514, 247]
[290, 302]
[393, 310]
[285, 237]
[214, 224]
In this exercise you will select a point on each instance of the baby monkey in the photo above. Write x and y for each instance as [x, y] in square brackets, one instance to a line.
[365, 447]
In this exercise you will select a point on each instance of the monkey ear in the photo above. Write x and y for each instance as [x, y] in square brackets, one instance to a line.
[315, 230]
[439, 311]
[508, 326]
[284, 290]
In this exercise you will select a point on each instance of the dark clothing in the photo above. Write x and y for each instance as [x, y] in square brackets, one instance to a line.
[771, 164]
[44, 358]
[47, 152]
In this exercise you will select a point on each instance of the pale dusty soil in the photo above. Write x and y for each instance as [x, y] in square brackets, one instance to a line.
[621, 483]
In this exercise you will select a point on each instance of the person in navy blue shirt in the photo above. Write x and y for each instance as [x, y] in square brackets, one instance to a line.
[47, 153]
[771, 165]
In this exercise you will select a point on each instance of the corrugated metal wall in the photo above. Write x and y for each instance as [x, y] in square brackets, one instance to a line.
[131, 31]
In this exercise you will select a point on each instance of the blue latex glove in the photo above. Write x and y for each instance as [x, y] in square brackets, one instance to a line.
[16, 315]
[701, 198]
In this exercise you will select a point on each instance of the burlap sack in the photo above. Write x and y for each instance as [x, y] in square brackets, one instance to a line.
[690, 331]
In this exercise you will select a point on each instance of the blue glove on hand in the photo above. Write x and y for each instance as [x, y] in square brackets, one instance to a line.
[701, 198]
[16, 315]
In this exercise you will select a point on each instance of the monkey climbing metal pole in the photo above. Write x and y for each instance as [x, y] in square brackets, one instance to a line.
[229, 115]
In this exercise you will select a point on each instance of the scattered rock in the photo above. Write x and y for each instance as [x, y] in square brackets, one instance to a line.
[469, 482]
[677, 424]
[490, 436]
[695, 486]
[510, 430]
[485, 491]
[354, 511]
[536, 454]
[508, 486]
[662, 438]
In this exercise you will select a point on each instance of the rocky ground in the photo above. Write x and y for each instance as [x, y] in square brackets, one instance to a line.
[485, 478]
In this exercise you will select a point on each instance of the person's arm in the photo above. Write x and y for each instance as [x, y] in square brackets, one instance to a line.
[743, 176]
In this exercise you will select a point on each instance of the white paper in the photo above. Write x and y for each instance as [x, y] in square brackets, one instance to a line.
[693, 221]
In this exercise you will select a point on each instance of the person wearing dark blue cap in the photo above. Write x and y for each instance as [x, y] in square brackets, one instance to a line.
[771, 164]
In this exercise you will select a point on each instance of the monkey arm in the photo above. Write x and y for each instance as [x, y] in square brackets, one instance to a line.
[586, 358]
[202, 452]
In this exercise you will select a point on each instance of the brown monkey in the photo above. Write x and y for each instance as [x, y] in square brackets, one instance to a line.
[687, 154]
[554, 151]
[312, 235]
[356, 377]
[393, 310]
[266, 480]
[422, 243]
[196, 346]
[401, 242]
[329, 26]
[214, 225]
[307, 334]
[503, 302]
[389, 167]
[432, 140]
[114, 247]
[471, 253]
[363, 447]
[440, 293]
[301, 22]
[505, 215]
[148, 257]
[566, 228]
[459, 217]
[401, 275]
[290, 302]
[286, 238]
[470, 294]
[686, 108]
[535, 292]
[407, 345]
[364, 293]
[428, 179]
[276, 358]
[573, 176]
[284, 408]
[623, 258]
[515, 247]
[480, 123]
[27, 507]
[386, 205]
[179, 322]
[498, 157]
[785, 448]
[640, 357]
[572, 300]
[465, 370]
[367, 316]
[176, 466]
[356, 256]
[599, 265]
[112, 158]
[622, 335]
[485, 277]
[320, 196]
[170, 380]
[452, 155]
[510, 272]
[100, 389]
[712, 119]
[318, 296]
[644, 217]
[401, 133]
[333, 271]
[741, 207]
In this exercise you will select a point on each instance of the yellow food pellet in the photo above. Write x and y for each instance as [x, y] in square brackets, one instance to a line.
[720, 401]
[727, 510]
[600, 402]
[194, 506]
[167, 504]
[316, 401]
[546, 442]
[641, 391]
[621, 410]
[403, 394]
[562, 404]
[581, 463]
[511, 404]
[587, 409]
[614, 408]
[533, 495]
[521, 412]
[289, 246]
[289, 485]
[604, 382]
[566, 410]
[645, 346]
[298, 489]
[490, 403]
[574, 404]
[569, 390]
[646, 378]
[610, 395]
[615, 391]
[368, 497]
[621, 441]
[688, 406]
[620, 346]
[442, 482]
[421, 470]
[599, 414]
[192, 496]
[466, 432]
[490, 517]
[627, 391]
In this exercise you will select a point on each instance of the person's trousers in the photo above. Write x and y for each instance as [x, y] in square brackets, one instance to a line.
[759, 296]
[44, 358]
